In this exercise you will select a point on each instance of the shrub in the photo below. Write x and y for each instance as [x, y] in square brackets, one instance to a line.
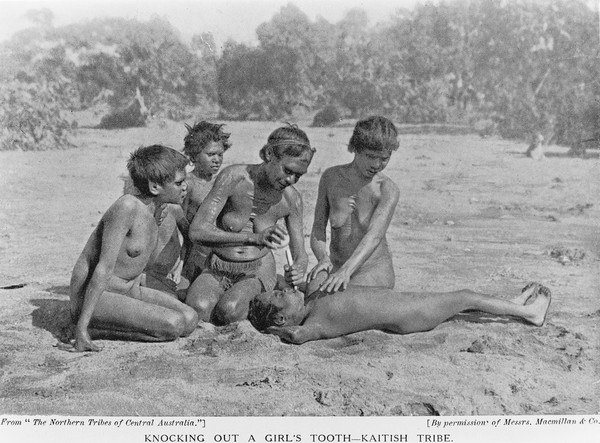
[327, 116]
[30, 118]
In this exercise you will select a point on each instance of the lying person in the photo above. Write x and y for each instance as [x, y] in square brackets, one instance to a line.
[284, 313]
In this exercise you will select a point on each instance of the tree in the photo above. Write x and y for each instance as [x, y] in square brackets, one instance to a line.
[115, 55]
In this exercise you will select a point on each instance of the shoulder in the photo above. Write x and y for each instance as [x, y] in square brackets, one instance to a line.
[387, 185]
[292, 196]
[174, 210]
[332, 175]
[197, 189]
[333, 171]
[126, 203]
[123, 208]
[192, 180]
[234, 173]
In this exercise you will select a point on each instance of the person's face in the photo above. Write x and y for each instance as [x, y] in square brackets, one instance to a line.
[290, 304]
[285, 171]
[173, 191]
[369, 163]
[209, 160]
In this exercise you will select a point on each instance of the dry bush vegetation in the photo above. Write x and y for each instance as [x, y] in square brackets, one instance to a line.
[514, 68]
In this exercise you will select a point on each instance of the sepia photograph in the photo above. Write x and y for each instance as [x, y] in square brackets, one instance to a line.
[300, 208]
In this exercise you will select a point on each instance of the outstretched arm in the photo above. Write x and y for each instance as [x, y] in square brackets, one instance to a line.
[318, 235]
[380, 221]
[295, 273]
[117, 221]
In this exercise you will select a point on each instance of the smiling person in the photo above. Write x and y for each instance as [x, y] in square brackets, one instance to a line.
[107, 300]
[238, 220]
[359, 201]
[285, 313]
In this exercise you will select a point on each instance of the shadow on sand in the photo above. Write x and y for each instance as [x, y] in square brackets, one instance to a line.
[483, 317]
[52, 314]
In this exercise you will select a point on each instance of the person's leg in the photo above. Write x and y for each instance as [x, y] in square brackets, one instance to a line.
[118, 316]
[168, 301]
[378, 272]
[528, 291]
[233, 305]
[79, 280]
[423, 312]
[159, 284]
[203, 295]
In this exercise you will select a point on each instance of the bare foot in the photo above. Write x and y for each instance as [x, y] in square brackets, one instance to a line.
[538, 309]
[72, 347]
[527, 292]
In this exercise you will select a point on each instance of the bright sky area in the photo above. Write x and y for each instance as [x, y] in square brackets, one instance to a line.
[236, 19]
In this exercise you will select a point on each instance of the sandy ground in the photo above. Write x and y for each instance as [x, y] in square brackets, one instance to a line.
[473, 213]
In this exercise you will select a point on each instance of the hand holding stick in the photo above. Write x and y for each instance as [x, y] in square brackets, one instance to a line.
[290, 261]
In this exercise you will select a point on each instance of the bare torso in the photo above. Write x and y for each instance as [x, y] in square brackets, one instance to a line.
[198, 189]
[351, 208]
[249, 208]
[136, 250]
[367, 308]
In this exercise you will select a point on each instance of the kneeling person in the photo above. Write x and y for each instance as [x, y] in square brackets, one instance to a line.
[107, 300]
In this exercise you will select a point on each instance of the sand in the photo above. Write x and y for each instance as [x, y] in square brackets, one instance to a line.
[473, 213]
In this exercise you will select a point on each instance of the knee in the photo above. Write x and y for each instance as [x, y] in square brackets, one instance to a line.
[172, 328]
[202, 307]
[229, 311]
[190, 317]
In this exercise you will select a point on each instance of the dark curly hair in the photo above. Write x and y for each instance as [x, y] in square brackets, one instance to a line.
[201, 134]
[262, 313]
[156, 163]
[374, 133]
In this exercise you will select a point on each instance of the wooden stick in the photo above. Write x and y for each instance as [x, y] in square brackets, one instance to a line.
[290, 261]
